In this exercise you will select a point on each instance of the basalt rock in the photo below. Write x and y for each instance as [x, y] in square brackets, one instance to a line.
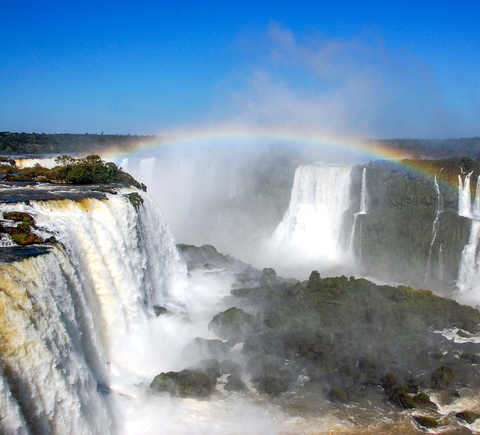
[235, 383]
[443, 378]
[427, 422]
[468, 416]
[199, 383]
[233, 324]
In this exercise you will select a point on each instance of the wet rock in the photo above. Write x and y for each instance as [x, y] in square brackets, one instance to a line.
[233, 324]
[269, 277]
[427, 422]
[136, 200]
[338, 395]
[235, 383]
[399, 396]
[186, 383]
[443, 378]
[159, 310]
[270, 375]
[19, 216]
[422, 400]
[468, 416]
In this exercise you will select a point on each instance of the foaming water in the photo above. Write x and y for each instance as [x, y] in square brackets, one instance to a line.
[468, 282]
[77, 322]
[310, 235]
[46, 162]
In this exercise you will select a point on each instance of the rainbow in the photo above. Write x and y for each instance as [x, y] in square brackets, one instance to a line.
[234, 135]
[238, 135]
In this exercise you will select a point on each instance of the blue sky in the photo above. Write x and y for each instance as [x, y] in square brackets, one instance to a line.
[369, 68]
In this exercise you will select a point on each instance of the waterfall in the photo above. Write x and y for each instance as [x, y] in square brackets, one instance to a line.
[464, 196]
[363, 208]
[191, 187]
[363, 193]
[476, 206]
[435, 226]
[46, 162]
[469, 274]
[311, 230]
[440, 263]
[469, 270]
[74, 322]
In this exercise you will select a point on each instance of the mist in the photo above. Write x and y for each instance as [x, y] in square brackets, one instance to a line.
[355, 85]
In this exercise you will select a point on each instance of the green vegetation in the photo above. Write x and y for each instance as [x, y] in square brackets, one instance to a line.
[351, 333]
[233, 324]
[438, 149]
[23, 232]
[41, 143]
[34, 143]
[87, 170]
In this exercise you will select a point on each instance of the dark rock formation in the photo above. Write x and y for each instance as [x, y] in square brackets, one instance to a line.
[443, 378]
[233, 324]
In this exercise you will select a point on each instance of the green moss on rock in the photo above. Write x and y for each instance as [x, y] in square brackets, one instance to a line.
[233, 324]
[136, 200]
[186, 383]
[468, 416]
[443, 378]
[427, 422]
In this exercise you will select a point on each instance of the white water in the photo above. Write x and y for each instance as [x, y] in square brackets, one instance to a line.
[82, 314]
[364, 193]
[196, 192]
[468, 281]
[310, 235]
[464, 196]
[46, 162]
[80, 317]
[440, 263]
[435, 228]
[469, 273]
[363, 209]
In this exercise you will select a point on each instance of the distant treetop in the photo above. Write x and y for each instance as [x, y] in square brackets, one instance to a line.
[35, 143]
[87, 170]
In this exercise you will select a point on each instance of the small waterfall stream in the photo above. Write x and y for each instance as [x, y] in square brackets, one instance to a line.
[363, 208]
[435, 228]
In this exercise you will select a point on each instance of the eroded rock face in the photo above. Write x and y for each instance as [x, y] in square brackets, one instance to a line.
[199, 383]
[235, 383]
[443, 378]
[233, 324]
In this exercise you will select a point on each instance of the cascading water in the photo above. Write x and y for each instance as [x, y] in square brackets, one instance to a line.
[476, 206]
[469, 271]
[72, 319]
[464, 196]
[191, 189]
[46, 162]
[363, 208]
[310, 234]
[435, 227]
[440, 263]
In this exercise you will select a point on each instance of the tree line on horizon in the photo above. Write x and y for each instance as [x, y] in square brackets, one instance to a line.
[64, 143]
[41, 143]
